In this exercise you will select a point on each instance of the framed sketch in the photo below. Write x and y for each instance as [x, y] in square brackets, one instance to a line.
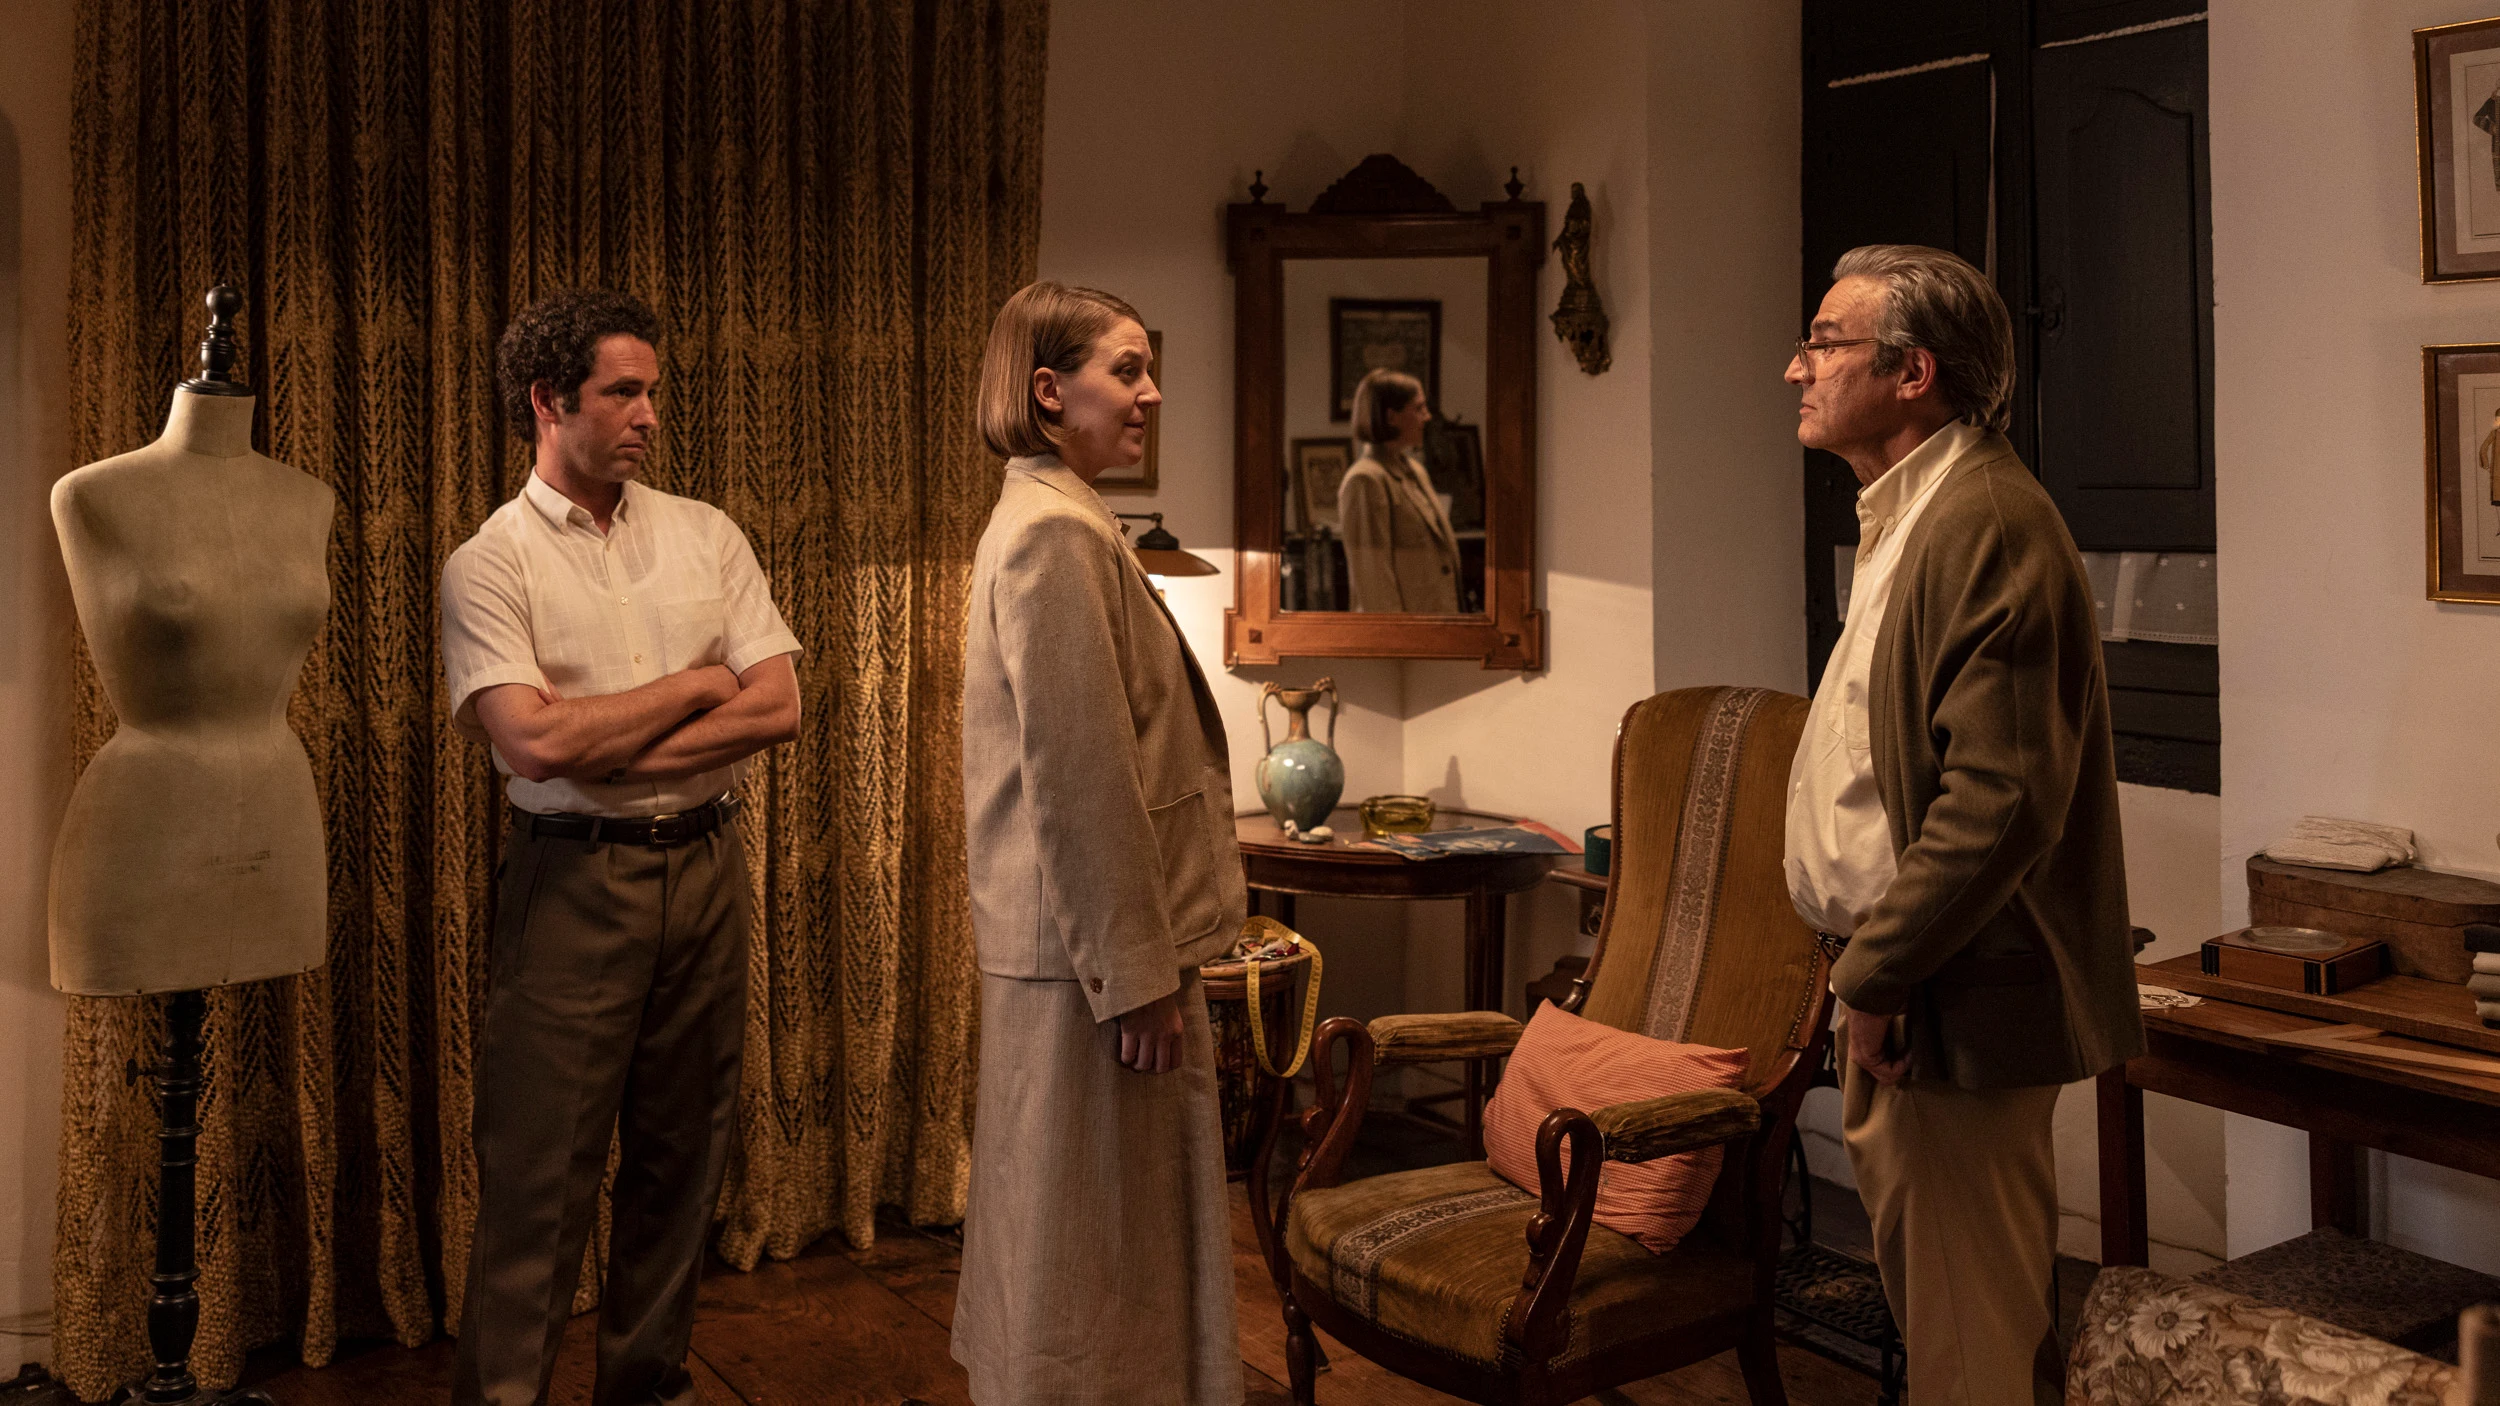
[2461, 441]
[1454, 457]
[2456, 101]
[1319, 467]
[1141, 478]
[1366, 334]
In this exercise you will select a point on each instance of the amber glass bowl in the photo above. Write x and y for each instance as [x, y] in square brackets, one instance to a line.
[1396, 815]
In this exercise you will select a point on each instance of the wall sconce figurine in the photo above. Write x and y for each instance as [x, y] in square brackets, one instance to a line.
[1580, 319]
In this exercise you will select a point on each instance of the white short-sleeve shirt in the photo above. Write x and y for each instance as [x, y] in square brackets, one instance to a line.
[541, 597]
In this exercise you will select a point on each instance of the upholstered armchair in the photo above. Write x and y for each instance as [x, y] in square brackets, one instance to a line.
[1460, 1280]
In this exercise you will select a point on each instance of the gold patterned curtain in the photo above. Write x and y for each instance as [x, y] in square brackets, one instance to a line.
[825, 203]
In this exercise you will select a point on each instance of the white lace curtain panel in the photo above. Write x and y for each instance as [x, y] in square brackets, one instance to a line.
[2163, 596]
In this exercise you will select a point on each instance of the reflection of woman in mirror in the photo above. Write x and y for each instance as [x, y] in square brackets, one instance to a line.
[1400, 552]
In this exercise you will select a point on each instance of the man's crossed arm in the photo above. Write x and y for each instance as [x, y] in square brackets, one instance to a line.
[693, 721]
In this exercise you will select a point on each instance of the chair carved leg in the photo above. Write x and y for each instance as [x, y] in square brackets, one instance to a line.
[1759, 1356]
[1301, 1365]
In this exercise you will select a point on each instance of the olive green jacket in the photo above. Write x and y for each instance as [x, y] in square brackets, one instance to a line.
[2004, 937]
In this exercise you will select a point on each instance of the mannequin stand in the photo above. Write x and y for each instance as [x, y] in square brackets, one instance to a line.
[174, 1313]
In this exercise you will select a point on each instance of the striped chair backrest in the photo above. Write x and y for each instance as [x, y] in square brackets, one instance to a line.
[1700, 943]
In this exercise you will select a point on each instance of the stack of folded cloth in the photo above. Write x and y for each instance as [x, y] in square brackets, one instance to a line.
[2483, 940]
[2322, 842]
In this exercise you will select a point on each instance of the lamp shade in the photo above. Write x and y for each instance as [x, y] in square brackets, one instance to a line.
[1159, 552]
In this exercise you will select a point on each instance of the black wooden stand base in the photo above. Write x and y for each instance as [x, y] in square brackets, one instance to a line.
[174, 1311]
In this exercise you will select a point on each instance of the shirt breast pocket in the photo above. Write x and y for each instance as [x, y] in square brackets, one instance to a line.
[694, 632]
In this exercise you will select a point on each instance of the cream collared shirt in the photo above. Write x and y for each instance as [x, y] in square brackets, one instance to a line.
[1840, 857]
[540, 596]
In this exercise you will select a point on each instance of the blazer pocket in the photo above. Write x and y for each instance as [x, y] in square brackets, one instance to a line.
[1191, 903]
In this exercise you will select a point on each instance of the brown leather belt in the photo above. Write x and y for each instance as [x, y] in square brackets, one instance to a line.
[658, 831]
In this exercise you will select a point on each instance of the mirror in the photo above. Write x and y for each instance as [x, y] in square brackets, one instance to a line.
[1384, 413]
[1393, 527]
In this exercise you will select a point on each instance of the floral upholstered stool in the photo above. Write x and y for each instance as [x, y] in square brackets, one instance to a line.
[2146, 1339]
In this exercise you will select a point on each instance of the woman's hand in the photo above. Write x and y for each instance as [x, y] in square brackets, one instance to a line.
[1150, 1036]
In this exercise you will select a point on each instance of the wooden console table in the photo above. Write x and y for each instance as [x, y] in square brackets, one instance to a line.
[2218, 1054]
[1342, 869]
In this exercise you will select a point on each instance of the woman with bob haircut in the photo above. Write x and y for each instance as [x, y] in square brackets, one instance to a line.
[1400, 552]
[1098, 817]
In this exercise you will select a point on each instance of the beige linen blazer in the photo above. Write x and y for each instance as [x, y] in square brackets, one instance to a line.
[1400, 551]
[1098, 799]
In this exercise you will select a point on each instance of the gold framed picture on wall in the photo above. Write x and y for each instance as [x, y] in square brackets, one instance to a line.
[2456, 102]
[2461, 449]
[1141, 477]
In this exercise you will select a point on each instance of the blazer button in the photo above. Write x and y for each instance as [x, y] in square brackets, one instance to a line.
[1096, 983]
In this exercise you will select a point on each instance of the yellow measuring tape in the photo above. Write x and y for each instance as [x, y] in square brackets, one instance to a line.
[1266, 928]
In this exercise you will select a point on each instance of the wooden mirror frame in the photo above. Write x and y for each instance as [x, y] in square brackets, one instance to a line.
[1382, 210]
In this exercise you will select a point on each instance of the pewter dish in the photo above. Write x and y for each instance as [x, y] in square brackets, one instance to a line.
[2294, 942]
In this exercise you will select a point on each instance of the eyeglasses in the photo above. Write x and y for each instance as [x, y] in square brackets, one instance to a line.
[1822, 351]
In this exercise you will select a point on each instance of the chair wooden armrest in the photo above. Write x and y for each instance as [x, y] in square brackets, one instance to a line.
[1427, 1039]
[1661, 1127]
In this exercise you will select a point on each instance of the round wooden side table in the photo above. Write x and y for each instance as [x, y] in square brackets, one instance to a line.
[1343, 868]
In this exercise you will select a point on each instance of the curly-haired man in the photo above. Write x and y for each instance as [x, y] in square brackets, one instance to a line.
[619, 650]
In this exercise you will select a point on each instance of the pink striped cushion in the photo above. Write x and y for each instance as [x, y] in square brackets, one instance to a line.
[1566, 1062]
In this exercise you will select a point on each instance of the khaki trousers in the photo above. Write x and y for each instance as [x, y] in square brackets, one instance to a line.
[1961, 1186]
[616, 1000]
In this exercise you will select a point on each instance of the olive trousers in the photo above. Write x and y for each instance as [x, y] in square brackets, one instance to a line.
[616, 1006]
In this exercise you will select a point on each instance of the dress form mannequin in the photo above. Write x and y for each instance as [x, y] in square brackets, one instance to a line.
[192, 852]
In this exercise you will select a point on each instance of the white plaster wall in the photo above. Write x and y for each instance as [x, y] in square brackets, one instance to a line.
[34, 648]
[1727, 504]
[1555, 90]
[2344, 692]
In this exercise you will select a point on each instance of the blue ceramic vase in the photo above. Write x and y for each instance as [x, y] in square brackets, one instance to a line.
[1301, 777]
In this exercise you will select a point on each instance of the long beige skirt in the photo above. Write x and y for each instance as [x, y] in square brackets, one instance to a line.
[1098, 1256]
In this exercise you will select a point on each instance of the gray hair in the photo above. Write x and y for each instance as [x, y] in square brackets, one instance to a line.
[1936, 300]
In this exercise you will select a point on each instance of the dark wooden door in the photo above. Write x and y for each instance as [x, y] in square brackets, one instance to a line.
[2123, 384]
[1900, 160]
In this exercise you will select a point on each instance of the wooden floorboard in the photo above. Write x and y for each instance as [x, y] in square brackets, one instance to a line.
[841, 1326]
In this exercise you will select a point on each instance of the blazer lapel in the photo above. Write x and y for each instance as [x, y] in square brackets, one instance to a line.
[1419, 494]
[1062, 479]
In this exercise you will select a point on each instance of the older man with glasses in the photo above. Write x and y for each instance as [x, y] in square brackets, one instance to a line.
[1953, 820]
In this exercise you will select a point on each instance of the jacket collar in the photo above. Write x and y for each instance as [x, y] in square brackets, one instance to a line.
[1046, 469]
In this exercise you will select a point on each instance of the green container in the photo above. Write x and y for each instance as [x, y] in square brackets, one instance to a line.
[1300, 778]
[1598, 849]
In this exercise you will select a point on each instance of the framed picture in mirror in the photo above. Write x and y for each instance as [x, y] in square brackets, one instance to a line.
[1454, 456]
[1373, 334]
[1319, 465]
[1140, 477]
